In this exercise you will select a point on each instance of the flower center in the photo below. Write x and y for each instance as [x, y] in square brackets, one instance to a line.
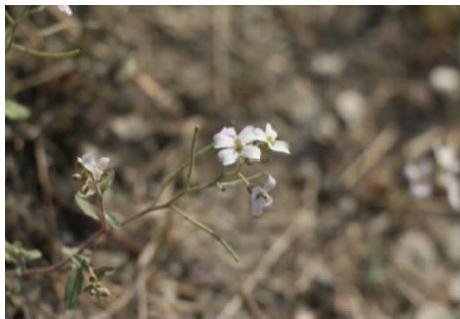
[238, 145]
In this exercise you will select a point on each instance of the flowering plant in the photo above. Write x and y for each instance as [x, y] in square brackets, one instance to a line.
[96, 177]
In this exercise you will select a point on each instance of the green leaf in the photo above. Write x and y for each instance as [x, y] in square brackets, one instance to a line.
[73, 287]
[15, 111]
[107, 180]
[91, 211]
[16, 252]
[87, 208]
[112, 221]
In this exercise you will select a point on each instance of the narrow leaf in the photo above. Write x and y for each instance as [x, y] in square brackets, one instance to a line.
[107, 180]
[87, 208]
[73, 287]
[15, 111]
[91, 211]
[112, 221]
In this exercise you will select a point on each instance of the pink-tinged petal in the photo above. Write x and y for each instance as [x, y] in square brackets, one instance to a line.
[227, 156]
[270, 183]
[270, 133]
[249, 135]
[280, 146]
[223, 141]
[421, 189]
[65, 9]
[251, 152]
[228, 131]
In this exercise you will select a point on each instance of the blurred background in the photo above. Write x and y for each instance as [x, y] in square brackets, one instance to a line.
[358, 92]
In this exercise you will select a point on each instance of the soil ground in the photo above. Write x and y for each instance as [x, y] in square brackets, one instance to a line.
[352, 89]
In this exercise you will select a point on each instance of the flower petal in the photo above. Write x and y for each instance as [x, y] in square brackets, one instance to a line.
[251, 152]
[65, 9]
[227, 156]
[280, 146]
[225, 138]
[270, 133]
[249, 134]
[421, 189]
[270, 183]
[259, 200]
[104, 163]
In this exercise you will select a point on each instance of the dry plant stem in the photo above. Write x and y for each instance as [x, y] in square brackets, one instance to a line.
[44, 54]
[208, 230]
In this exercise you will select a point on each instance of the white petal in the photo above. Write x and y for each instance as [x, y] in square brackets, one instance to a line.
[225, 138]
[452, 185]
[446, 158]
[259, 200]
[280, 146]
[249, 135]
[259, 134]
[251, 152]
[223, 141]
[270, 132]
[421, 189]
[270, 183]
[227, 156]
[88, 159]
[65, 9]
[104, 162]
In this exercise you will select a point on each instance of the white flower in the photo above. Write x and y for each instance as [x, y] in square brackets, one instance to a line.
[260, 197]
[95, 167]
[65, 9]
[234, 146]
[446, 158]
[269, 137]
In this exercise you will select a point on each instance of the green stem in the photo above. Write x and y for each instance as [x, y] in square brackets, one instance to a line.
[243, 178]
[44, 54]
[9, 18]
[14, 27]
[208, 230]
[168, 179]
[192, 157]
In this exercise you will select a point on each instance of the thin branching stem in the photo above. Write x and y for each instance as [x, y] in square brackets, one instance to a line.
[208, 230]
[44, 54]
[192, 157]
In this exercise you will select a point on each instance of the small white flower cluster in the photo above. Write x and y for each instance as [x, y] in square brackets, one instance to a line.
[252, 144]
[420, 175]
[248, 144]
[96, 167]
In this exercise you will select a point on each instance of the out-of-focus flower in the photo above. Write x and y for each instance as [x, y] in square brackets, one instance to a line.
[451, 183]
[260, 197]
[270, 137]
[446, 158]
[93, 166]
[65, 9]
[234, 146]
[418, 175]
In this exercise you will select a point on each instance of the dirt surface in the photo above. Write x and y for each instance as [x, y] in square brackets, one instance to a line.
[356, 91]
